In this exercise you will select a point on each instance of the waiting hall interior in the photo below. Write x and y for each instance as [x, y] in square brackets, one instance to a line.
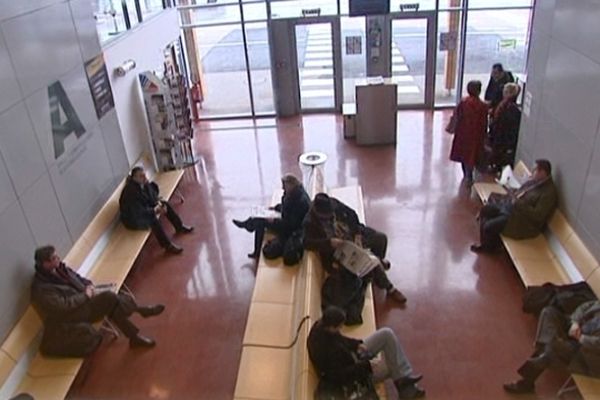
[299, 199]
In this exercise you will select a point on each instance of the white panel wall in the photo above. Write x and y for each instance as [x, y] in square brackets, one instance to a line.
[564, 121]
[145, 46]
[44, 199]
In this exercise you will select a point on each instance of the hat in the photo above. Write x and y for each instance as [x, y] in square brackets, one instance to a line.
[322, 204]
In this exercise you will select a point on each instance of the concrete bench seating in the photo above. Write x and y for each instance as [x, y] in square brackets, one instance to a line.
[113, 250]
[283, 297]
[558, 256]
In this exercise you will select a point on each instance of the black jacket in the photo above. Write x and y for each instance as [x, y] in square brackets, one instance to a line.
[293, 207]
[318, 232]
[137, 204]
[493, 93]
[334, 356]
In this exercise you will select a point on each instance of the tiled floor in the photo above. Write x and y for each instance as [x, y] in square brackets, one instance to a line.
[463, 327]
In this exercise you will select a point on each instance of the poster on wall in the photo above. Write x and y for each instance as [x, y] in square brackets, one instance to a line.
[97, 75]
[353, 45]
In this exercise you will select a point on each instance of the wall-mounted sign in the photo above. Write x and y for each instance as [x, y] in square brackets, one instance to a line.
[448, 41]
[507, 44]
[311, 12]
[353, 45]
[97, 75]
[409, 7]
[62, 128]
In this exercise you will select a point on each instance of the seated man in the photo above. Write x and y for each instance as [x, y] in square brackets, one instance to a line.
[347, 367]
[330, 222]
[572, 343]
[140, 204]
[293, 208]
[69, 303]
[521, 213]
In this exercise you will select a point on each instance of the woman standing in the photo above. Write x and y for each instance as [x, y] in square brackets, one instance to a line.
[504, 128]
[470, 129]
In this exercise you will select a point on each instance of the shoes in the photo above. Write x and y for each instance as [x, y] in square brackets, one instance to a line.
[410, 392]
[254, 255]
[479, 249]
[519, 387]
[151, 311]
[407, 381]
[396, 295]
[141, 341]
[173, 249]
[386, 264]
[243, 224]
[185, 229]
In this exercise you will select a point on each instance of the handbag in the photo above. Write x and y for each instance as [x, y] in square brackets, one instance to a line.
[451, 127]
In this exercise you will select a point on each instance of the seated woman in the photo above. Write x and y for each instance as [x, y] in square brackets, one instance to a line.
[504, 128]
[288, 229]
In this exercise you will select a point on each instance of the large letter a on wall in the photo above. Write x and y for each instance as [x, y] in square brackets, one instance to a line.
[57, 98]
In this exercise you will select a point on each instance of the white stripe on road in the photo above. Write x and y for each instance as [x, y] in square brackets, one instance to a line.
[314, 56]
[402, 78]
[397, 60]
[320, 63]
[318, 48]
[306, 94]
[324, 72]
[399, 68]
[408, 89]
[316, 82]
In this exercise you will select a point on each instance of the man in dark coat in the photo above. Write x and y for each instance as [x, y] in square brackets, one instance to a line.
[520, 214]
[141, 205]
[343, 364]
[498, 78]
[572, 343]
[329, 222]
[293, 208]
[69, 303]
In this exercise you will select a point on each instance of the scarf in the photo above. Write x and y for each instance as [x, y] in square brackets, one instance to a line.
[60, 276]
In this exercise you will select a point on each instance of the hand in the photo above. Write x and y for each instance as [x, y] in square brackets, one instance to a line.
[358, 240]
[575, 331]
[335, 242]
[90, 291]
[362, 349]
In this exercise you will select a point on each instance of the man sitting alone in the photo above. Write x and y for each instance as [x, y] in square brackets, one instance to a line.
[69, 303]
[519, 214]
[572, 343]
[140, 203]
[347, 365]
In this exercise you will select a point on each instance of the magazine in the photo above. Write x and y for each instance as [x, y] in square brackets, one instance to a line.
[356, 259]
[264, 212]
[105, 287]
[508, 179]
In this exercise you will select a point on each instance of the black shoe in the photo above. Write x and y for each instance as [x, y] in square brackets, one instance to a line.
[185, 229]
[411, 392]
[407, 380]
[151, 311]
[254, 255]
[479, 249]
[173, 249]
[519, 387]
[141, 341]
[386, 264]
[243, 224]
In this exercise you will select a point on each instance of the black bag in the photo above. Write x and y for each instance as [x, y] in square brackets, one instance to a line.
[346, 291]
[291, 249]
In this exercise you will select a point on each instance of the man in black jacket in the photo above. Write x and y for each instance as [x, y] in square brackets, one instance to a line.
[293, 208]
[69, 303]
[344, 363]
[330, 222]
[572, 343]
[141, 205]
[498, 78]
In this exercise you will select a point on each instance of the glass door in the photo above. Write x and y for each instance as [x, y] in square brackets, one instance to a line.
[412, 49]
[317, 52]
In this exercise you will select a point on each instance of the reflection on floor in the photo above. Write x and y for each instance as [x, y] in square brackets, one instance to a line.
[463, 327]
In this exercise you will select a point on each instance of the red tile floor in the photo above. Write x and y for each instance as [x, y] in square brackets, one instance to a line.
[463, 327]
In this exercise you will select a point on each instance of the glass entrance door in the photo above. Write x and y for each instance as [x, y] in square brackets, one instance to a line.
[317, 50]
[412, 48]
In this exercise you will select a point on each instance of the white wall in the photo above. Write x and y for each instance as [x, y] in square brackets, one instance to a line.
[144, 44]
[563, 124]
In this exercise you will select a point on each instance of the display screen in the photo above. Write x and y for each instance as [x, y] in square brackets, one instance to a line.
[369, 7]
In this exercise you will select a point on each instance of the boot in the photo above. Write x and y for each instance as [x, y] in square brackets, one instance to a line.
[247, 224]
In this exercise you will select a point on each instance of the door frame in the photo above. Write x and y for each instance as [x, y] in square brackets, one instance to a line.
[336, 40]
[430, 54]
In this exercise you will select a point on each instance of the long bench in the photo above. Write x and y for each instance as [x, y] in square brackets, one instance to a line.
[105, 252]
[285, 303]
[558, 256]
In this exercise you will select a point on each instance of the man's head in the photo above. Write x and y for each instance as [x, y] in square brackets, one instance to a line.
[322, 206]
[474, 88]
[47, 258]
[510, 91]
[333, 318]
[542, 170]
[289, 182]
[138, 175]
[497, 71]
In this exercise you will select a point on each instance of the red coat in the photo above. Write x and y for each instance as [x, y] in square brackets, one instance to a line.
[471, 127]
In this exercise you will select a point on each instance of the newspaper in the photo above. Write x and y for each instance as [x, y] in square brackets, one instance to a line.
[508, 178]
[264, 212]
[105, 287]
[356, 259]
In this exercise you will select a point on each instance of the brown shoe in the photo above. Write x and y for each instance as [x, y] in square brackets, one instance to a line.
[173, 249]
[396, 295]
[141, 341]
[151, 311]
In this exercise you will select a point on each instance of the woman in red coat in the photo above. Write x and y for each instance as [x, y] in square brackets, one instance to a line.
[469, 134]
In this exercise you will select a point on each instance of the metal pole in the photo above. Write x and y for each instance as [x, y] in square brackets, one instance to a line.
[463, 46]
[126, 14]
[247, 58]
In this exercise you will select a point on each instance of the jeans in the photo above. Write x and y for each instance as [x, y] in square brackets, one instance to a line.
[395, 364]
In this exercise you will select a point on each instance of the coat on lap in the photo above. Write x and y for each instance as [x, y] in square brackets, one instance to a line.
[137, 203]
